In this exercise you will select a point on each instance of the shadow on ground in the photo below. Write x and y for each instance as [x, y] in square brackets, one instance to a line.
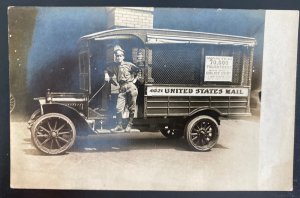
[123, 142]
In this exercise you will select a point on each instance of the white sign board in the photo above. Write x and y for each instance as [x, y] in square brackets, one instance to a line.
[218, 68]
[196, 91]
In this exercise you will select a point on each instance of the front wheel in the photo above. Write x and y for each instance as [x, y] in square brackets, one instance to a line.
[53, 133]
[202, 133]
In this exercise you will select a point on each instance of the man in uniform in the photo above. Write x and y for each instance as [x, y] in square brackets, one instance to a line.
[126, 75]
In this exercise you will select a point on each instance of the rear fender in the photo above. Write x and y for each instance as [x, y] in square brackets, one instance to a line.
[212, 112]
[82, 127]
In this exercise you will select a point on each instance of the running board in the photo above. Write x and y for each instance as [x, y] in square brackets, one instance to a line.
[106, 131]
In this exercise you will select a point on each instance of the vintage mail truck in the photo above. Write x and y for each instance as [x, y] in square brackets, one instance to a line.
[188, 80]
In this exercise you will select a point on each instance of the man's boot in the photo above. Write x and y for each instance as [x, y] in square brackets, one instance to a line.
[130, 123]
[119, 127]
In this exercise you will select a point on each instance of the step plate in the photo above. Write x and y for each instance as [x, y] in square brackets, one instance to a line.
[102, 131]
[134, 131]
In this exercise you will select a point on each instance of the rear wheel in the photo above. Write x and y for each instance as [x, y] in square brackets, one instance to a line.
[53, 133]
[202, 133]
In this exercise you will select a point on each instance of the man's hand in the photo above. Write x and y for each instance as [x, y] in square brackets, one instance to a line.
[106, 77]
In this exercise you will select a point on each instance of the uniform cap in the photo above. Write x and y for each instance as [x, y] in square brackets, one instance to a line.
[118, 48]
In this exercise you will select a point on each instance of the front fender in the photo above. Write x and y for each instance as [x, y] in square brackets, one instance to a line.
[82, 127]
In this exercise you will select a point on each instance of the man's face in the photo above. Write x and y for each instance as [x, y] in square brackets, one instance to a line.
[119, 56]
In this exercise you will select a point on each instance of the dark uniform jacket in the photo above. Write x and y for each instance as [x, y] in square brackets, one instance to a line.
[126, 72]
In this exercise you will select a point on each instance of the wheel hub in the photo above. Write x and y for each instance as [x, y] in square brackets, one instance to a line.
[202, 131]
[205, 133]
[54, 134]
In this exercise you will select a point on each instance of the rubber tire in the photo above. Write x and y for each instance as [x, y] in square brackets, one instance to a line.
[53, 151]
[190, 125]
